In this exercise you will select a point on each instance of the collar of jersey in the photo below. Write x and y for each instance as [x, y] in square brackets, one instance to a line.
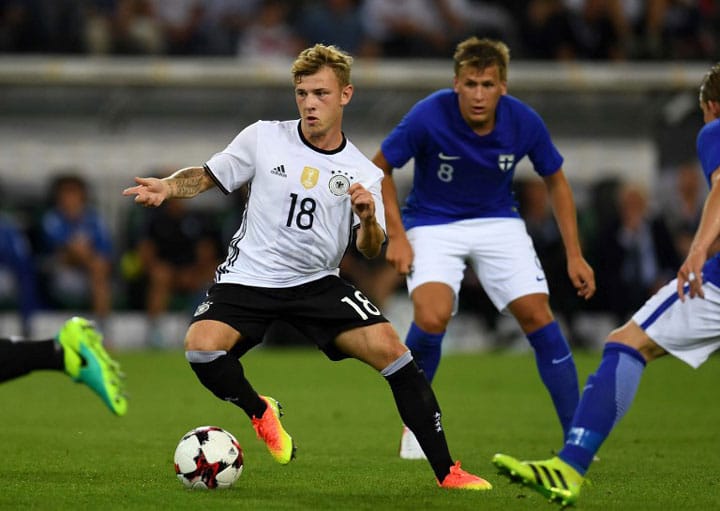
[317, 149]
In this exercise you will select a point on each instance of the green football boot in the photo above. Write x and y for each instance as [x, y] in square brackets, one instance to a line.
[552, 478]
[87, 361]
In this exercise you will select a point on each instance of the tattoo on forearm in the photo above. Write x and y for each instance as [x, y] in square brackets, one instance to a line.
[187, 182]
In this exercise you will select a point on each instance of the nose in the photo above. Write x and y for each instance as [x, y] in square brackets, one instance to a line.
[310, 102]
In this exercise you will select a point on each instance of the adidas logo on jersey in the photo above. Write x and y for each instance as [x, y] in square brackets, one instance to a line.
[279, 171]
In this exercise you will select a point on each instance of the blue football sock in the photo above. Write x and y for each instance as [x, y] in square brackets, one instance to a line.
[556, 366]
[606, 398]
[425, 348]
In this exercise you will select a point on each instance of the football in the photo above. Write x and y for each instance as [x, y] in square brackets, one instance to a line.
[208, 457]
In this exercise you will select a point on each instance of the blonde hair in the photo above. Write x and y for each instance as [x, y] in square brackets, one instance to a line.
[482, 53]
[311, 60]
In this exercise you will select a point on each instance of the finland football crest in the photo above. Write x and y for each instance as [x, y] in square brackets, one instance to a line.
[339, 183]
[506, 161]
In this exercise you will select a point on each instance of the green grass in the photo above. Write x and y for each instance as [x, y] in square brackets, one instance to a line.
[62, 450]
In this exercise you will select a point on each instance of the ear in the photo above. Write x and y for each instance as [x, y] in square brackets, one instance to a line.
[346, 94]
[714, 107]
[503, 88]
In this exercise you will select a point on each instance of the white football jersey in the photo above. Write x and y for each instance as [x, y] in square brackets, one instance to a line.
[298, 220]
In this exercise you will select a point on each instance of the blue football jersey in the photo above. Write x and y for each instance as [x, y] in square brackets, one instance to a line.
[708, 148]
[459, 174]
[708, 151]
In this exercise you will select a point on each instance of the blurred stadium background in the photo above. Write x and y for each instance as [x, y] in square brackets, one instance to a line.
[110, 115]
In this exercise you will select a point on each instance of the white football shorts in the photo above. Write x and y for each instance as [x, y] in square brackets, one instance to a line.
[499, 249]
[688, 330]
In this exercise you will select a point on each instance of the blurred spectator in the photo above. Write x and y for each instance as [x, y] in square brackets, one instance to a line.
[222, 23]
[39, 25]
[13, 25]
[65, 22]
[540, 29]
[336, 22]
[636, 254]
[180, 22]
[683, 31]
[179, 251]
[412, 28]
[710, 22]
[683, 205]
[597, 217]
[485, 18]
[99, 30]
[136, 29]
[603, 30]
[17, 273]
[670, 29]
[77, 249]
[270, 35]
[548, 31]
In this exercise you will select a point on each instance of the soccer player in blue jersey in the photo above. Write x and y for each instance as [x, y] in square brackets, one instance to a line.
[669, 322]
[466, 143]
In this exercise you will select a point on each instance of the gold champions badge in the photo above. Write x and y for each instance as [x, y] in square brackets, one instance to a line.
[309, 177]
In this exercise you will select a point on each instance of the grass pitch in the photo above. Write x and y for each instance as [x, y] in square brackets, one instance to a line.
[63, 450]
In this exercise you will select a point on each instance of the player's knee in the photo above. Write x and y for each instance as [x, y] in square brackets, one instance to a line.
[387, 350]
[432, 322]
[195, 342]
[532, 312]
[631, 335]
[208, 335]
[534, 319]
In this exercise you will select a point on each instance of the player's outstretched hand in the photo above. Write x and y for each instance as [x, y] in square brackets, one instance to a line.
[582, 276]
[150, 191]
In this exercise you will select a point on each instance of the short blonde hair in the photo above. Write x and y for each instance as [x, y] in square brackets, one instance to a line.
[482, 53]
[311, 60]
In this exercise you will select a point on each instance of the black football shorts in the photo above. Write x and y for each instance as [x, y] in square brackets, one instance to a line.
[321, 310]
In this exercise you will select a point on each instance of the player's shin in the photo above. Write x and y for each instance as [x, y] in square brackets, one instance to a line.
[607, 396]
[419, 411]
[223, 375]
[557, 370]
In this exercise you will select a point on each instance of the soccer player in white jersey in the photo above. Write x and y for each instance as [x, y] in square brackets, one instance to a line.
[310, 193]
[466, 142]
[669, 322]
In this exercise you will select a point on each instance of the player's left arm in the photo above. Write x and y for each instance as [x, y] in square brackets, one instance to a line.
[707, 232]
[563, 204]
[370, 235]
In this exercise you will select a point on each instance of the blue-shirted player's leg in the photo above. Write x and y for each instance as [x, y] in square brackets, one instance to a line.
[426, 349]
[553, 357]
[433, 305]
[607, 396]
